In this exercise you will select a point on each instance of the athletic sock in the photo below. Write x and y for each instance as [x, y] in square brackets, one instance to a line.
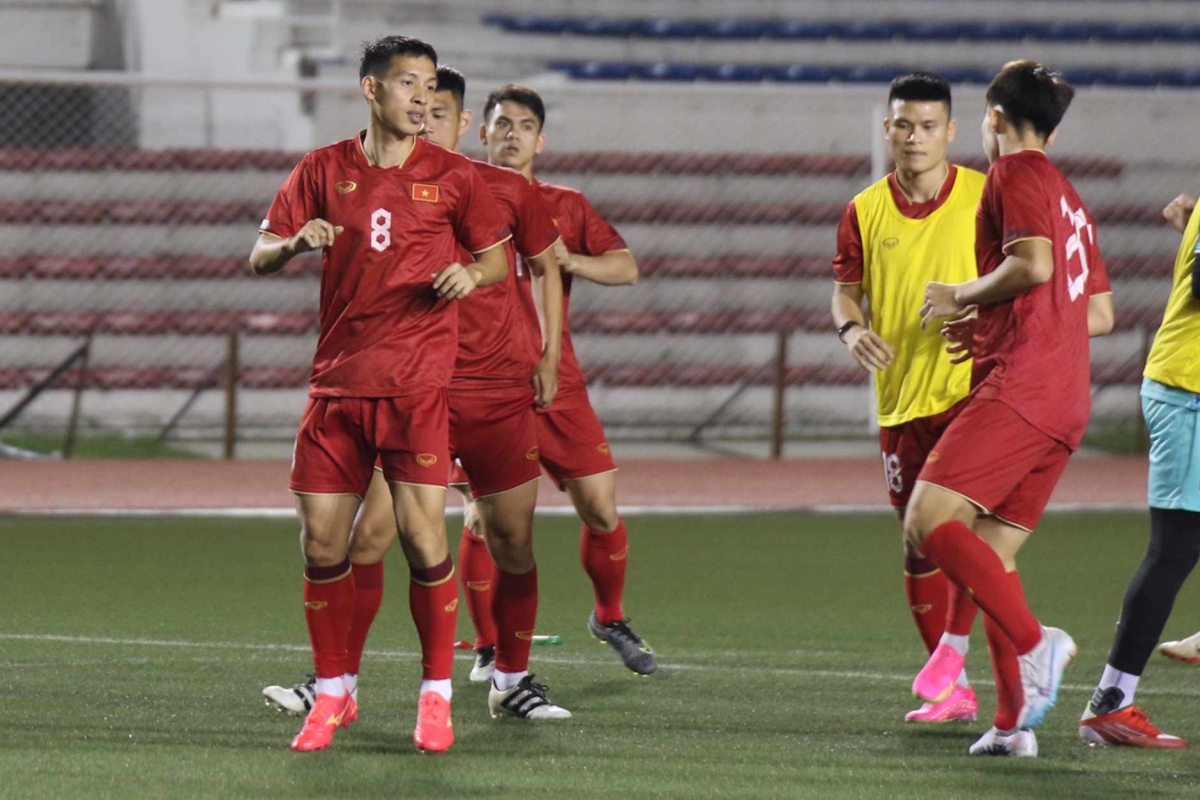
[1126, 682]
[1005, 667]
[1170, 557]
[604, 557]
[515, 609]
[328, 604]
[972, 564]
[926, 589]
[960, 612]
[506, 680]
[960, 643]
[368, 595]
[334, 686]
[478, 575]
[442, 687]
[433, 602]
[350, 680]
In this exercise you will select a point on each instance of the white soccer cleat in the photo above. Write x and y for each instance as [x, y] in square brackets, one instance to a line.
[1022, 744]
[526, 700]
[1042, 673]
[295, 701]
[1186, 650]
[485, 664]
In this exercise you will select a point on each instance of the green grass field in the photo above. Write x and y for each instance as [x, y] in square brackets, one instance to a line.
[134, 650]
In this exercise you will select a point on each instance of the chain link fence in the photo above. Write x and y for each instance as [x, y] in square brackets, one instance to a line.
[128, 207]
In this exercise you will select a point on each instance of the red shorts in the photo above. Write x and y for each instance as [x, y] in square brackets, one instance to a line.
[572, 440]
[494, 435]
[991, 456]
[341, 437]
[904, 448]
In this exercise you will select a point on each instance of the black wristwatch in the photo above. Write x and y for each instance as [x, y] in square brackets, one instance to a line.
[842, 331]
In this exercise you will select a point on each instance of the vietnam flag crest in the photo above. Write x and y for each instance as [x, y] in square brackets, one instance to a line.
[425, 192]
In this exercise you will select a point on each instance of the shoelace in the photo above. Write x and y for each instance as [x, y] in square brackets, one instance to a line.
[538, 689]
[621, 626]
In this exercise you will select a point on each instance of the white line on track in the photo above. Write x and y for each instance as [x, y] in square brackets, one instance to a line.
[544, 511]
[799, 672]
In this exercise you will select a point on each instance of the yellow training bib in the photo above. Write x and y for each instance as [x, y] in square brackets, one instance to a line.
[1175, 357]
[900, 256]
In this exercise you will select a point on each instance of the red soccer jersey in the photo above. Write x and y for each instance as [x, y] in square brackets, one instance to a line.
[494, 343]
[584, 232]
[1035, 345]
[383, 331]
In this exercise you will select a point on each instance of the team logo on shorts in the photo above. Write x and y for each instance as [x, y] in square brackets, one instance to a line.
[890, 242]
[345, 187]
[426, 459]
[932, 458]
[452, 606]
[603, 448]
[526, 635]
[532, 455]
[315, 605]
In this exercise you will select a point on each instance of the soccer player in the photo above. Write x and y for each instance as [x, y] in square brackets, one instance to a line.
[571, 442]
[1003, 454]
[499, 377]
[1171, 406]
[389, 213]
[915, 225]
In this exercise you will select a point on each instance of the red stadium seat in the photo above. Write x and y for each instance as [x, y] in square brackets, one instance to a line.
[12, 268]
[62, 323]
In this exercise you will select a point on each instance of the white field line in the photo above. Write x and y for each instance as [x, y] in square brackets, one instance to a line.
[538, 656]
[543, 511]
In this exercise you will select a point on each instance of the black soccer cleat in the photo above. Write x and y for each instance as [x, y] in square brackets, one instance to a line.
[633, 650]
[526, 700]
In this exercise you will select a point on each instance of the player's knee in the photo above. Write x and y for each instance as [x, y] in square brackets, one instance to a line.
[917, 525]
[599, 514]
[321, 551]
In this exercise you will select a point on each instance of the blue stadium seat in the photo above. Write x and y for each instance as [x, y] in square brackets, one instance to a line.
[670, 29]
[1131, 32]
[1180, 33]
[1139, 78]
[999, 31]
[741, 73]
[965, 74]
[801, 73]
[736, 29]
[870, 74]
[529, 24]
[867, 31]
[807, 31]
[663, 71]
[593, 70]
[600, 26]
[1086, 76]
[934, 31]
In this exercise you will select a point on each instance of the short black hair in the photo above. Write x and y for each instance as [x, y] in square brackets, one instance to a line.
[452, 81]
[920, 86]
[377, 56]
[1031, 96]
[516, 93]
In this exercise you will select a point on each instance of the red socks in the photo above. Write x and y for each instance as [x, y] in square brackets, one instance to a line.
[368, 595]
[433, 601]
[328, 605]
[478, 575]
[926, 588]
[1009, 695]
[604, 556]
[516, 610]
[960, 612]
[972, 564]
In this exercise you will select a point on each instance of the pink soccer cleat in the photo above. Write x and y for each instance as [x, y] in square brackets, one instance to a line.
[961, 705]
[936, 680]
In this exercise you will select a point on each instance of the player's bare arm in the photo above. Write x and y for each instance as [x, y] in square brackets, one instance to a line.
[548, 294]
[272, 252]
[1178, 211]
[868, 349]
[1100, 314]
[457, 281]
[1030, 263]
[614, 268]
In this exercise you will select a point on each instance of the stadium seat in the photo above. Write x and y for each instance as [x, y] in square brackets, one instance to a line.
[742, 73]
[663, 71]
[803, 30]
